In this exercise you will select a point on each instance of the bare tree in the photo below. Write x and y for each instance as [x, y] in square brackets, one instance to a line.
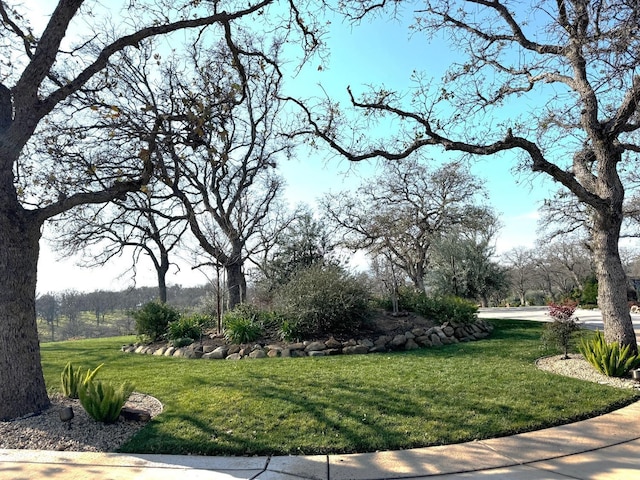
[552, 81]
[46, 75]
[519, 262]
[144, 223]
[221, 144]
[47, 307]
[403, 210]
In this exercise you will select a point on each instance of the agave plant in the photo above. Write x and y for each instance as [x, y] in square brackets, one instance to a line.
[609, 358]
[102, 401]
[74, 378]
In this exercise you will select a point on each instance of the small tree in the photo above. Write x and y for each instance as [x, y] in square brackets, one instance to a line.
[561, 331]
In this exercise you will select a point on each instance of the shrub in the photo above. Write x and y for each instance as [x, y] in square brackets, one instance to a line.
[181, 342]
[153, 319]
[560, 333]
[241, 324]
[589, 294]
[320, 299]
[562, 311]
[562, 330]
[609, 358]
[289, 331]
[102, 401]
[73, 379]
[190, 326]
[446, 309]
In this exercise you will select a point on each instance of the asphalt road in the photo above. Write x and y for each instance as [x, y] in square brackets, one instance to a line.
[591, 319]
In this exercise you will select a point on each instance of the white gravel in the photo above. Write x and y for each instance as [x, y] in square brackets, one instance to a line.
[577, 367]
[82, 434]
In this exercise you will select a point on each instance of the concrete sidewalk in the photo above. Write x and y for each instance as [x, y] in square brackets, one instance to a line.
[605, 447]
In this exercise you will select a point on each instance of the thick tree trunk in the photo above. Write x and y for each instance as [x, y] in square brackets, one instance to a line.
[22, 388]
[236, 284]
[612, 281]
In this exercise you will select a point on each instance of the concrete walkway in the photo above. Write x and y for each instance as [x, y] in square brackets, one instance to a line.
[606, 447]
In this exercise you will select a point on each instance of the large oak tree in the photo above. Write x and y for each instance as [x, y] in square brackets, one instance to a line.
[45, 76]
[552, 82]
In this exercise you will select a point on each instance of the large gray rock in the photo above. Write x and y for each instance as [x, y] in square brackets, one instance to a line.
[398, 341]
[258, 353]
[355, 350]
[378, 349]
[411, 345]
[440, 332]
[273, 350]
[448, 331]
[423, 340]
[366, 342]
[435, 340]
[315, 347]
[333, 343]
[220, 352]
[234, 356]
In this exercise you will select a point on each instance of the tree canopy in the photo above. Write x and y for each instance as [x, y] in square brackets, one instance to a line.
[553, 82]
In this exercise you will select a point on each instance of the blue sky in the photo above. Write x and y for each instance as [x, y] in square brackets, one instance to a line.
[378, 52]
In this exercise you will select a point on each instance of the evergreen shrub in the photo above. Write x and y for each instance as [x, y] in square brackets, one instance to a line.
[153, 319]
[188, 326]
[446, 309]
[322, 299]
[242, 325]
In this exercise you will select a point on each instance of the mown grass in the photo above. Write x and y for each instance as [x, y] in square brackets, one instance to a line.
[436, 396]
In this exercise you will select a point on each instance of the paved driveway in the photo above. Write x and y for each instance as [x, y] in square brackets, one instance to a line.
[591, 319]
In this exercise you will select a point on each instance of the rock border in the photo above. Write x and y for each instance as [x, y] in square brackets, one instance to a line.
[445, 334]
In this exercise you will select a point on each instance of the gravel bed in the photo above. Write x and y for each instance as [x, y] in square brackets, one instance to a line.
[577, 367]
[82, 434]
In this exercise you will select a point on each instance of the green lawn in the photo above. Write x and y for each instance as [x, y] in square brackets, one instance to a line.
[436, 396]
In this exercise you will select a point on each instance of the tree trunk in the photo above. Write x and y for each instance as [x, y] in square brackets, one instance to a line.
[236, 284]
[162, 282]
[612, 281]
[22, 388]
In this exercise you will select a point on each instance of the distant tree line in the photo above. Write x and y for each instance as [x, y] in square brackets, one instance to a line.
[72, 314]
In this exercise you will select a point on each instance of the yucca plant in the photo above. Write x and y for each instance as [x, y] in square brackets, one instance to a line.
[72, 378]
[608, 358]
[102, 401]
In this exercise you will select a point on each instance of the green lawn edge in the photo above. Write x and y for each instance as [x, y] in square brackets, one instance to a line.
[344, 404]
